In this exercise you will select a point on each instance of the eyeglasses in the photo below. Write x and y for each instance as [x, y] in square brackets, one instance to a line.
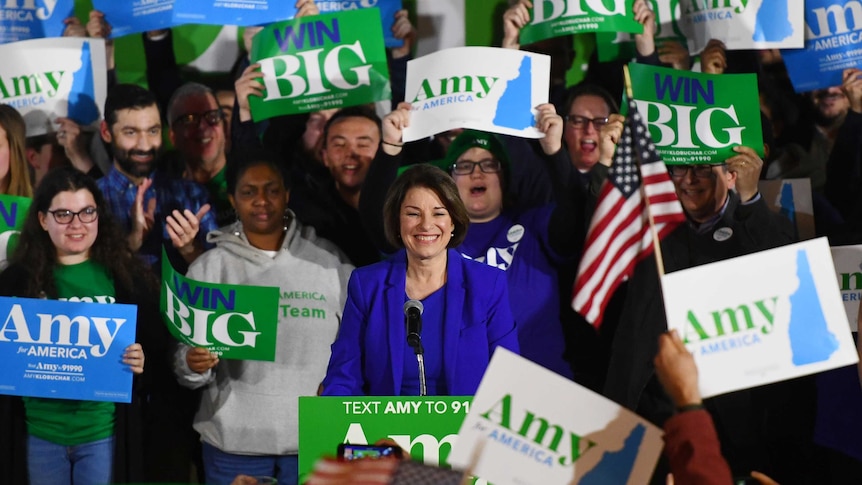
[65, 216]
[579, 121]
[466, 167]
[212, 118]
[699, 171]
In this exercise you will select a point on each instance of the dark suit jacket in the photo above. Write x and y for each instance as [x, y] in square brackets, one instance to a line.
[368, 354]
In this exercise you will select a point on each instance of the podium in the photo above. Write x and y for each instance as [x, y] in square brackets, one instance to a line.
[426, 427]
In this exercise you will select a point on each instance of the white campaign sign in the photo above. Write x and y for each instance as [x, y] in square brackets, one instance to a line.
[484, 88]
[848, 270]
[48, 78]
[743, 24]
[528, 425]
[761, 318]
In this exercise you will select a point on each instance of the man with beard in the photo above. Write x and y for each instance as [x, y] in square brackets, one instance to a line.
[153, 207]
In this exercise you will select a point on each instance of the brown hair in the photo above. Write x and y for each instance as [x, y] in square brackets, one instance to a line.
[431, 178]
[19, 173]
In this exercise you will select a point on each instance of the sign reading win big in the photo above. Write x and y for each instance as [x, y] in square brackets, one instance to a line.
[233, 321]
[325, 61]
[697, 118]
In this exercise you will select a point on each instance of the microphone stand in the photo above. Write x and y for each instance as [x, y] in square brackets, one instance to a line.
[420, 358]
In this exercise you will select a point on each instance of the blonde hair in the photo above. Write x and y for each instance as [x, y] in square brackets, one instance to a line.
[19, 174]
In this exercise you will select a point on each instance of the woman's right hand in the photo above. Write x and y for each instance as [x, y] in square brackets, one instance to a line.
[393, 128]
[200, 359]
[609, 137]
[248, 84]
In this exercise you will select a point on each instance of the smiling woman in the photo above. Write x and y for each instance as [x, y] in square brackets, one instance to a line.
[248, 415]
[70, 249]
[466, 304]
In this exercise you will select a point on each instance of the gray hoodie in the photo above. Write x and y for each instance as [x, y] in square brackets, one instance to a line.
[251, 407]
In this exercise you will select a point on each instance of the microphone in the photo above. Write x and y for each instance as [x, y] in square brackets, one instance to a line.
[413, 317]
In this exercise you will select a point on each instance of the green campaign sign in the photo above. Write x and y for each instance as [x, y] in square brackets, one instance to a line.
[426, 427]
[554, 18]
[612, 46]
[13, 212]
[234, 321]
[697, 118]
[325, 61]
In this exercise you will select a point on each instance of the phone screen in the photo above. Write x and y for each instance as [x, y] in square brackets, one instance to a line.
[349, 452]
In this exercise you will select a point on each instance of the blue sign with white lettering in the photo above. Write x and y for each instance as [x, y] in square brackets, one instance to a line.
[387, 8]
[66, 349]
[833, 42]
[134, 16]
[33, 19]
[233, 12]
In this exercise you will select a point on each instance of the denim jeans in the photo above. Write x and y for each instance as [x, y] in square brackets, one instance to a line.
[221, 468]
[87, 464]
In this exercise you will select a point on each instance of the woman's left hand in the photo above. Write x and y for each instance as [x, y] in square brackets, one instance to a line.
[551, 124]
[134, 358]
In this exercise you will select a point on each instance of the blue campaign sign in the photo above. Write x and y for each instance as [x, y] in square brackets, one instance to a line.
[66, 349]
[833, 42]
[33, 19]
[233, 12]
[387, 8]
[135, 16]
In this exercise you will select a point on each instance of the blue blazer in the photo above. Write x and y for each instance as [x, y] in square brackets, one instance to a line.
[368, 354]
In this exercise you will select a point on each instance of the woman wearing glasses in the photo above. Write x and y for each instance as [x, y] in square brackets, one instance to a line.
[529, 245]
[69, 249]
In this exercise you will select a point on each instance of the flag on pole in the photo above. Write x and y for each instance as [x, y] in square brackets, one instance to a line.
[619, 235]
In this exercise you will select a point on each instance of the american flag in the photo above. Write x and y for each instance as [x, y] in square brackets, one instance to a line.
[619, 234]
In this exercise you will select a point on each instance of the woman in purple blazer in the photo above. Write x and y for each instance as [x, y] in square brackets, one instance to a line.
[466, 304]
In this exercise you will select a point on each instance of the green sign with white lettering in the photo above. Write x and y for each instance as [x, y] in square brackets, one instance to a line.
[554, 18]
[234, 321]
[426, 427]
[13, 212]
[697, 118]
[325, 61]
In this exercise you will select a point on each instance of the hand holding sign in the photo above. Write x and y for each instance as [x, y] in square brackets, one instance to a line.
[393, 127]
[645, 42]
[402, 29]
[134, 358]
[713, 59]
[675, 369]
[609, 136]
[747, 166]
[514, 19]
[551, 124]
[852, 87]
[200, 359]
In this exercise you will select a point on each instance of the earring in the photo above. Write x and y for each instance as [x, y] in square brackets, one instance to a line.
[286, 219]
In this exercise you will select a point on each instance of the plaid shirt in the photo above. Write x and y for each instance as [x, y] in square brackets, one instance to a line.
[170, 194]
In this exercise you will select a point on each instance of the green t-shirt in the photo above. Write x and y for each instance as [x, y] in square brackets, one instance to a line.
[64, 421]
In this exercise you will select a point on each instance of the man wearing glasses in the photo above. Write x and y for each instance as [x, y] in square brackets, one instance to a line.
[197, 130]
[153, 207]
[727, 217]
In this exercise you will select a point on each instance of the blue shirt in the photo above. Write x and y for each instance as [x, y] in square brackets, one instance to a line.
[170, 194]
[432, 342]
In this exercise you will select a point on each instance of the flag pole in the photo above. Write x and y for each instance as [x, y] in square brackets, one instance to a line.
[656, 243]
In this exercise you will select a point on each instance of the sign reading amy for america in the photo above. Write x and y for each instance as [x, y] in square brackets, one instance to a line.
[761, 318]
[135, 16]
[47, 78]
[529, 425]
[484, 88]
[324, 61]
[848, 271]
[233, 321]
[697, 118]
[833, 42]
[743, 24]
[553, 18]
[232, 12]
[66, 349]
[33, 19]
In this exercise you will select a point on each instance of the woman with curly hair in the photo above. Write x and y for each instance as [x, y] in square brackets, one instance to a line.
[70, 248]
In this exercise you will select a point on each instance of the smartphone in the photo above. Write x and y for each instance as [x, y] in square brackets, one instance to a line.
[347, 451]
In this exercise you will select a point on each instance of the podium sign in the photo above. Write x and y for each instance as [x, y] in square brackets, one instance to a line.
[426, 427]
